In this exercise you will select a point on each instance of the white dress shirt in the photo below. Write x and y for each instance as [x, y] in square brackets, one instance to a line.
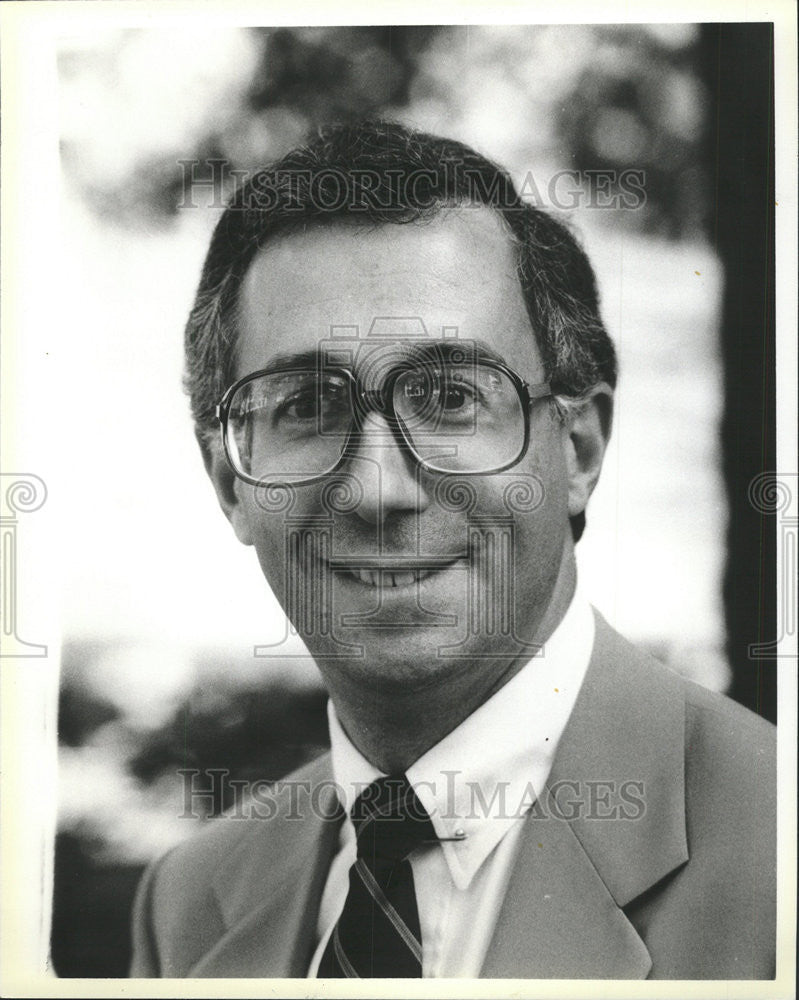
[480, 780]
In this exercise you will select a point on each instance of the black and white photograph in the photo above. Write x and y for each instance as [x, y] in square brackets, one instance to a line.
[399, 500]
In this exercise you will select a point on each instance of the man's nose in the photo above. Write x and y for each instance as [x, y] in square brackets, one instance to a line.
[386, 472]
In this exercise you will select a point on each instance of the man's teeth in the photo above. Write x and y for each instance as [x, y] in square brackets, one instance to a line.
[390, 578]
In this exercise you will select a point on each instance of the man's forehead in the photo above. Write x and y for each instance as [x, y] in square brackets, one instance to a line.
[339, 264]
[453, 276]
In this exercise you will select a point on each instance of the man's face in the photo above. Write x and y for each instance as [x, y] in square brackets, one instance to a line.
[500, 542]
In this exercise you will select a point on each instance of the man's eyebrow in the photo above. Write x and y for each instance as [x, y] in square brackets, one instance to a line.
[297, 359]
[469, 350]
[429, 350]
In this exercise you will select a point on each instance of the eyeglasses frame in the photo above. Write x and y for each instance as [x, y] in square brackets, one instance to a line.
[382, 401]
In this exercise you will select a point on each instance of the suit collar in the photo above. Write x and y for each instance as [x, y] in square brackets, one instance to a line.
[562, 916]
[626, 738]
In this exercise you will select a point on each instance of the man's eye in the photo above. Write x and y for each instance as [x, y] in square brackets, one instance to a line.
[303, 406]
[455, 397]
[313, 403]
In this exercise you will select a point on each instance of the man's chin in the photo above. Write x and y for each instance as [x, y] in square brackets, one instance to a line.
[406, 660]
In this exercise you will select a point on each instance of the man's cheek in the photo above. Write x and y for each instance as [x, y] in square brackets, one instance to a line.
[271, 548]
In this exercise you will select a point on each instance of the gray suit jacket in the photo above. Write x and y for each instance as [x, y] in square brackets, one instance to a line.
[682, 889]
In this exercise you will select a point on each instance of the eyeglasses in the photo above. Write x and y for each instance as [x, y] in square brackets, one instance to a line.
[293, 425]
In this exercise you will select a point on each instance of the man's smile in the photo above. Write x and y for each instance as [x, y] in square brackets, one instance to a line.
[389, 578]
[395, 573]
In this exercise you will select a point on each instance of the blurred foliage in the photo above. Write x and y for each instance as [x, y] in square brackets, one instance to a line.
[123, 799]
[255, 734]
[220, 716]
[335, 74]
[590, 97]
[81, 713]
[641, 103]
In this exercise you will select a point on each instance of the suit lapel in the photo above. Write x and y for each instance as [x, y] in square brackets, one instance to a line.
[270, 888]
[562, 914]
[558, 920]
[621, 757]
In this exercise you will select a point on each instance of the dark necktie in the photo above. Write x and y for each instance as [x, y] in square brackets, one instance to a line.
[378, 933]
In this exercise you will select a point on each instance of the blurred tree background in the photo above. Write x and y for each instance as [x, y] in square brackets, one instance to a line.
[579, 97]
[154, 123]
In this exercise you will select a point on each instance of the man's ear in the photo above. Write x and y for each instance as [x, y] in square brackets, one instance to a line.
[587, 426]
[227, 485]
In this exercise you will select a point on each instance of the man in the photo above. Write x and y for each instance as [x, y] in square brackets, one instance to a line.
[402, 389]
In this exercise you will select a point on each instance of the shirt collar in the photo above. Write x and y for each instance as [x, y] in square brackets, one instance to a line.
[484, 775]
